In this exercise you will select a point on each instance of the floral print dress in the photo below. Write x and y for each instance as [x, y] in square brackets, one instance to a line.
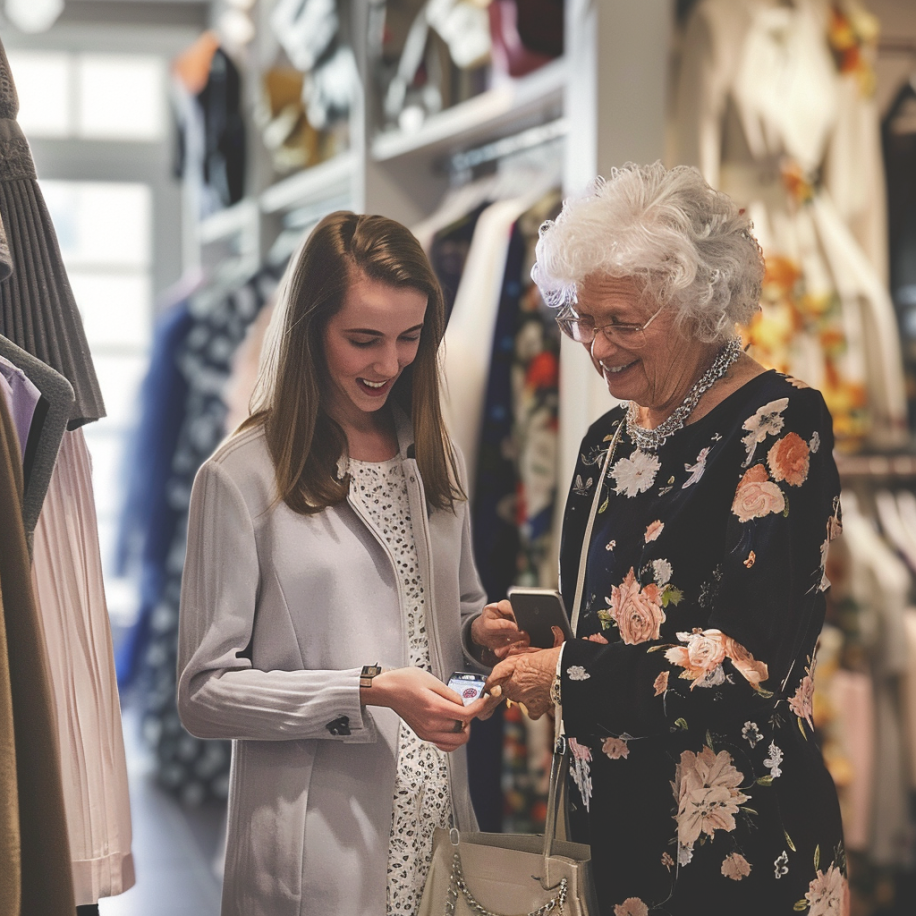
[687, 696]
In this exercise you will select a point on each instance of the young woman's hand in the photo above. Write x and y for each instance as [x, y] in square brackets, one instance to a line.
[496, 631]
[433, 710]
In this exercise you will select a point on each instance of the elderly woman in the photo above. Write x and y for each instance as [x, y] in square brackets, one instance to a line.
[687, 692]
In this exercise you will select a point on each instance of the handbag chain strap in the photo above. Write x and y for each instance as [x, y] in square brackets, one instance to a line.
[458, 887]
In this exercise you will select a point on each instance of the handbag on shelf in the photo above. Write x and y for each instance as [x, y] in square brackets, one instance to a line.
[505, 874]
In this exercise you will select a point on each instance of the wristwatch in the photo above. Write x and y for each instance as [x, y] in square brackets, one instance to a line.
[369, 672]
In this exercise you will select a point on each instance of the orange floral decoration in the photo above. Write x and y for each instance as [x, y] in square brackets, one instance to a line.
[788, 311]
[853, 40]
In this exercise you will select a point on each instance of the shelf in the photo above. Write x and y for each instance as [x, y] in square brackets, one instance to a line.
[321, 182]
[495, 113]
[234, 220]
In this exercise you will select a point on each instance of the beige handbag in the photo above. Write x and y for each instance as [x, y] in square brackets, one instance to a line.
[504, 874]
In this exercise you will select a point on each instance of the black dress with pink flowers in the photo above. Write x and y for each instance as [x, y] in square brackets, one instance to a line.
[687, 696]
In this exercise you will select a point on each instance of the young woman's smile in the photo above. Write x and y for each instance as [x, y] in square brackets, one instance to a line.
[368, 344]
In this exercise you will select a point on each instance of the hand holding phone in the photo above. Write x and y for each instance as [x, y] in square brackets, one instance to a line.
[537, 611]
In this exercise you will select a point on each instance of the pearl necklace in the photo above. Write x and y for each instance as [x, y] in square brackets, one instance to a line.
[650, 440]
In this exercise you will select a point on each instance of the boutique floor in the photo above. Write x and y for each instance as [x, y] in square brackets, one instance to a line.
[174, 846]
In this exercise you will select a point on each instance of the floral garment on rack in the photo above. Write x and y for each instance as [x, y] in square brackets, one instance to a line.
[689, 699]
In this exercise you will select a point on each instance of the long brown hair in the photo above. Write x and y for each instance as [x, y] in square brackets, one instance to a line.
[305, 443]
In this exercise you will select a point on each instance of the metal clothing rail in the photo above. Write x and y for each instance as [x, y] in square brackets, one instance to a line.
[466, 160]
[885, 467]
[897, 46]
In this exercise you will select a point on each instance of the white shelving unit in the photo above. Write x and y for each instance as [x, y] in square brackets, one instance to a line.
[606, 99]
[325, 181]
[503, 110]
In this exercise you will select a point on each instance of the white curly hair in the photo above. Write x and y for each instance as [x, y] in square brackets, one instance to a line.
[686, 245]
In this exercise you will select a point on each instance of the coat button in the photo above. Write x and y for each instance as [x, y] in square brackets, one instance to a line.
[339, 727]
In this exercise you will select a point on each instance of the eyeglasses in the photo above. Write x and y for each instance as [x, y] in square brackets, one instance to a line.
[583, 330]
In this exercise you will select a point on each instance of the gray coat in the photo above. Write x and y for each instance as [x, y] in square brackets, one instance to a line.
[279, 612]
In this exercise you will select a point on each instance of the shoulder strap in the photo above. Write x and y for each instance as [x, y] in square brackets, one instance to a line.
[583, 554]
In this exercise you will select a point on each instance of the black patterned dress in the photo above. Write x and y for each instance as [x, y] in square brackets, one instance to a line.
[688, 694]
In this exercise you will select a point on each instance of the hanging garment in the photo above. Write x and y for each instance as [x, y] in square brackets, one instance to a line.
[6, 262]
[759, 99]
[194, 769]
[899, 138]
[853, 695]
[909, 695]
[448, 253]
[468, 340]
[149, 519]
[210, 132]
[45, 876]
[305, 29]
[516, 462]
[879, 583]
[10, 857]
[46, 431]
[37, 308]
[243, 377]
[69, 592]
[525, 35]
[853, 163]
[22, 401]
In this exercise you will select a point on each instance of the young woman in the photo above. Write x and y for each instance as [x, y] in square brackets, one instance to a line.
[328, 589]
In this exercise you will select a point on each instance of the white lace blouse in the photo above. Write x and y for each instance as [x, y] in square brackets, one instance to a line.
[421, 791]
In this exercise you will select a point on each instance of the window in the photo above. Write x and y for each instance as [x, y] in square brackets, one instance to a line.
[104, 230]
[90, 96]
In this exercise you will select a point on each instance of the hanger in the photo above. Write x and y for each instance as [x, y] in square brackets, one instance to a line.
[192, 66]
[893, 527]
[58, 393]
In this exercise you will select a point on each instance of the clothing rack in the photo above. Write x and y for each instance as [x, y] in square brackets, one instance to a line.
[886, 467]
[897, 46]
[466, 160]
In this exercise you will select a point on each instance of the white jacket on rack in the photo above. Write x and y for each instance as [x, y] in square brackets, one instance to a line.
[761, 110]
[279, 613]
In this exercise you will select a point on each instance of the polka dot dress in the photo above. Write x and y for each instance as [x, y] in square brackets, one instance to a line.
[421, 790]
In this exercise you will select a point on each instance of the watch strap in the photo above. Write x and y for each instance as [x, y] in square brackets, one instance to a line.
[369, 672]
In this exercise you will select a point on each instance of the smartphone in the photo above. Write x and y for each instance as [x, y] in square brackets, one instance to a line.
[536, 611]
[467, 684]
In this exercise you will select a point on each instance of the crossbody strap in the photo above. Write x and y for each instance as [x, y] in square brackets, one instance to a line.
[586, 541]
[560, 763]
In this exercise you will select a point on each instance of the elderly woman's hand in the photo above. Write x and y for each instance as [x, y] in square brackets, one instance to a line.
[496, 631]
[526, 679]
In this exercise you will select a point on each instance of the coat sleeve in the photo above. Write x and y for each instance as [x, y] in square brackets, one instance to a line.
[220, 694]
[767, 609]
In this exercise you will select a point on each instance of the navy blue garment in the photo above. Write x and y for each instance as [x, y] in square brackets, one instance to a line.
[194, 769]
[495, 536]
[148, 520]
[449, 252]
